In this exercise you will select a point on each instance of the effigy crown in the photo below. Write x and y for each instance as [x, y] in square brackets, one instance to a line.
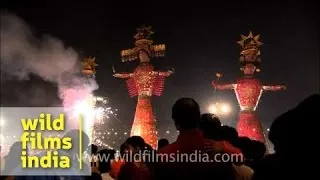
[250, 53]
[143, 42]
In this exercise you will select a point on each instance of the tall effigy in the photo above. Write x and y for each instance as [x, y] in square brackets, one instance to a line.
[248, 89]
[144, 82]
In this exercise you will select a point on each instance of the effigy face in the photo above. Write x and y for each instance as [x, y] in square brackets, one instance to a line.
[248, 92]
[249, 69]
[144, 79]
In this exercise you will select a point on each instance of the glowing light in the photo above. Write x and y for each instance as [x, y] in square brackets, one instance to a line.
[2, 123]
[125, 133]
[219, 109]
[213, 109]
[225, 108]
[268, 129]
[99, 98]
[84, 108]
[168, 132]
[99, 113]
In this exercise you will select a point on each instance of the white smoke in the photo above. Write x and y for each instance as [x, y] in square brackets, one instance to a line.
[23, 54]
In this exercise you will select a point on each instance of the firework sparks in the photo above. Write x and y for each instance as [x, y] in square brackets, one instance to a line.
[103, 113]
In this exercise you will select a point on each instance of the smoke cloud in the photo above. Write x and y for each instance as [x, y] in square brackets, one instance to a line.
[23, 54]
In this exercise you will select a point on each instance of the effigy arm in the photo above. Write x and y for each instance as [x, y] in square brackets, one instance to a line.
[222, 86]
[123, 75]
[163, 73]
[273, 87]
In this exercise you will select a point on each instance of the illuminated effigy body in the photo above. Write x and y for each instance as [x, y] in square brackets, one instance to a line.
[248, 89]
[144, 82]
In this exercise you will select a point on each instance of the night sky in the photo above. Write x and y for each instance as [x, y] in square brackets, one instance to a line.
[201, 40]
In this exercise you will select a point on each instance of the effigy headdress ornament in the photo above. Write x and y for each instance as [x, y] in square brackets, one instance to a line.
[143, 42]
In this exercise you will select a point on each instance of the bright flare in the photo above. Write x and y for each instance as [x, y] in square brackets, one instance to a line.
[213, 109]
[86, 109]
[219, 109]
[225, 108]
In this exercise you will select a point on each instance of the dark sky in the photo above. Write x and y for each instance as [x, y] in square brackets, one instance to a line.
[201, 40]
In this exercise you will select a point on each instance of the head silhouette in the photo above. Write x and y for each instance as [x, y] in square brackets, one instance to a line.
[163, 143]
[94, 149]
[245, 145]
[135, 144]
[258, 150]
[310, 104]
[186, 113]
[123, 148]
[106, 155]
[210, 125]
[285, 129]
[229, 134]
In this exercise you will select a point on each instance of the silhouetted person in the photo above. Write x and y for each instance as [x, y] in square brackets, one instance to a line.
[292, 135]
[186, 117]
[242, 171]
[94, 149]
[210, 126]
[163, 143]
[148, 147]
[94, 160]
[257, 153]
[245, 145]
[229, 134]
[106, 156]
[121, 160]
[135, 168]
[123, 148]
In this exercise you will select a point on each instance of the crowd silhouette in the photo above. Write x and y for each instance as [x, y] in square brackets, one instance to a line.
[202, 133]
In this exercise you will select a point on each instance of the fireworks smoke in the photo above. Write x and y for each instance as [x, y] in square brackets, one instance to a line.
[23, 54]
